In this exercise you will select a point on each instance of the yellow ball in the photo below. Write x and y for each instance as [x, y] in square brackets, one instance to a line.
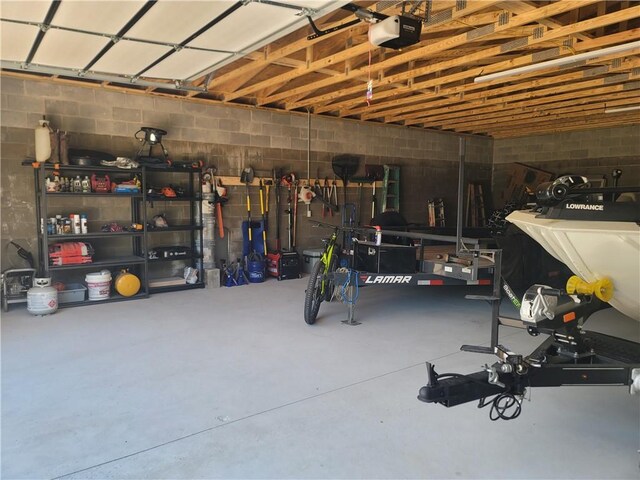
[127, 284]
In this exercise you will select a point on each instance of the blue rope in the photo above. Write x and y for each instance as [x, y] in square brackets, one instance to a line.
[345, 298]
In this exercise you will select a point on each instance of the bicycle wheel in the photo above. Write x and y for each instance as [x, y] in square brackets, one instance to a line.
[313, 295]
[329, 283]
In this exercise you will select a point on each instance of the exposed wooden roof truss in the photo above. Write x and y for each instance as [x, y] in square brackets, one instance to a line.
[431, 84]
[435, 83]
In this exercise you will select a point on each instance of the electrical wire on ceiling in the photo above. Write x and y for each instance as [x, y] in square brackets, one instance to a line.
[369, 95]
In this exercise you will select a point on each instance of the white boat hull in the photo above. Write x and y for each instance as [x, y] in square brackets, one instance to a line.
[592, 250]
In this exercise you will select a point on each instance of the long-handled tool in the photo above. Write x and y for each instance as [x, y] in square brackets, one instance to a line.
[264, 218]
[322, 194]
[220, 196]
[317, 189]
[375, 173]
[247, 177]
[278, 183]
[295, 211]
[268, 183]
[333, 193]
[360, 181]
[325, 197]
[345, 166]
[289, 180]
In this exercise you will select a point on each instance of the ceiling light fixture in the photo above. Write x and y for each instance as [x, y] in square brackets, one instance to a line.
[621, 109]
[557, 62]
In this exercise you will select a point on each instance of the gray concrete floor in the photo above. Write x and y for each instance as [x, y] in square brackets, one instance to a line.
[231, 383]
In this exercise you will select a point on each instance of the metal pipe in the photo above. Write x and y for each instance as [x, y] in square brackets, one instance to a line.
[309, 146]
[497, 292]
[68, 72]
[462, 147]
[475, 242]
[116, 38]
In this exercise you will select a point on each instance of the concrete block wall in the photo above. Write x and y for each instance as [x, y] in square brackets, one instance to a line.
[592, 153]
[229, 138]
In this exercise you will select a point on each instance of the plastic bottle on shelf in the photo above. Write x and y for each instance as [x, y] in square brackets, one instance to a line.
[83, 223]
[77, 184]
[77, 229]
[43, 141]
[86, 184]
[50, 184]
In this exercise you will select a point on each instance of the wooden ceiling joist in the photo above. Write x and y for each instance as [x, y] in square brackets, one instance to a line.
[467, 94]
[614, 83]
[568, 109]
[559, 33]
[488, 111]
[431, 84]
[545, 126]
[505, 22]
[467, 74]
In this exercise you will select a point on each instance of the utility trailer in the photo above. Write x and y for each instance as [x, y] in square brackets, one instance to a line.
[369, 264]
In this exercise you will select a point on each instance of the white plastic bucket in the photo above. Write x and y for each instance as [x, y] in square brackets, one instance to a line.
[98, 284]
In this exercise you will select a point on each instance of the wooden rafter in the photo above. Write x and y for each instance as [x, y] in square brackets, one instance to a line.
[559, 33]
[431, 84]
[468, 94]
[590, 87]
[362, 49]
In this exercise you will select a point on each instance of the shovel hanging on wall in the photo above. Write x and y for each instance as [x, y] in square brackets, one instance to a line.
[345, 167]
[247, 177]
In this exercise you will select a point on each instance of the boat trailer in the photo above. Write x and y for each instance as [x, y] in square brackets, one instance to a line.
[569, 356]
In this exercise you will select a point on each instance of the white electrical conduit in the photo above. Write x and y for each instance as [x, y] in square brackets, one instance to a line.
[621, 109]
[557, 62]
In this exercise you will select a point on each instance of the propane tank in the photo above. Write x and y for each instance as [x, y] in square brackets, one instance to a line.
[42, 298]
[43, 141]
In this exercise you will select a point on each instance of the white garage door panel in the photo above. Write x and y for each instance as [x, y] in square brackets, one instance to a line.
[96, 16]
[246, 26]
[315, 4]
[26, 11]
[128, 58]
[16, 41]
[173, 22]
[68, 49]
[184, 64]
